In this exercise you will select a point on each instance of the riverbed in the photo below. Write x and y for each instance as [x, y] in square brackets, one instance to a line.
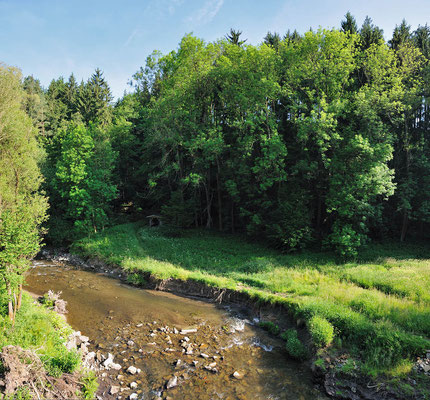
[209, 351]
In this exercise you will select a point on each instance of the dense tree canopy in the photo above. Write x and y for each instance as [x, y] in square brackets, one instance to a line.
[313, 139]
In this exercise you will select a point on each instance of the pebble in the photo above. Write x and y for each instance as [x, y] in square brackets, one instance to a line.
[133, 385]
[133, 396]
[114, 389]
[204, 355]
[237, 375]
[130, 343]
[189, 350]
[172, 382]
[187, 331]
[132, 370]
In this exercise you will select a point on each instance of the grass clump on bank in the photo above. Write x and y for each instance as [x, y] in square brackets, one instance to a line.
[378, 307]
[44, 331]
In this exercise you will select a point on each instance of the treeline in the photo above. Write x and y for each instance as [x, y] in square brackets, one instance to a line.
[314, 139]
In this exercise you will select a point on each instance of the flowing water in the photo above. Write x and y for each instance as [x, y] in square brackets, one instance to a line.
[141, 328]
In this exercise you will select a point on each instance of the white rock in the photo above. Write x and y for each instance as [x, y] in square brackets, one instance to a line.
[116, 367]
[172, 382]
[133, 396]
[187, 331]
[108, 362]
[133, 385]
[114, 390]
[130, 343]
[189, 350]
[204, 355]
[237, 375]
[132, 370]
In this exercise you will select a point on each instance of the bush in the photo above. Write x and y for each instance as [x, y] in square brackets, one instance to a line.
[270, 327]
[294, 346]
[322, 332]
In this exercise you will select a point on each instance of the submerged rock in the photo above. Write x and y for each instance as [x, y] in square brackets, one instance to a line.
[172, 382]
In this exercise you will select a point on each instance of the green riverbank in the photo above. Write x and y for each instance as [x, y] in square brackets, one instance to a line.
[377, 308]
[39, 357]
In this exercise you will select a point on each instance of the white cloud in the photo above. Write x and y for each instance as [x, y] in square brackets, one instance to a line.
[205, 14]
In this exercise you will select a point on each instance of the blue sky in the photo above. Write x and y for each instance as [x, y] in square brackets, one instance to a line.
[47, 38]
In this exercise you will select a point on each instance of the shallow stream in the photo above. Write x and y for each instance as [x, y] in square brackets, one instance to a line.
[141, 328]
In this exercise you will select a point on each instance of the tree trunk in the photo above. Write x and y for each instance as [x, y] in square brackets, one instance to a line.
[10, 303]
[18, 305]
[404, 226]
[209, 198]
[219, 196]
[232, 216]
[408, 161]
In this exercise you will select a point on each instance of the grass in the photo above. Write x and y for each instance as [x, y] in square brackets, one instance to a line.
[378, 306]
[43, 331]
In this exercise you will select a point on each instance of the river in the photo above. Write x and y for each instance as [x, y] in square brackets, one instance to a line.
[141, 328]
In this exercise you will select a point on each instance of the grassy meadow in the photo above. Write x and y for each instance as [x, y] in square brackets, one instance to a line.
[378, 306]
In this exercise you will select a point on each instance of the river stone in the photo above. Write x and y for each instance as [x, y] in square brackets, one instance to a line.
[109, 361]
[172, 382]
[133, 385]
[133, 396]
[83, 339]
[132, 370]
[237, 375]
[114, 389]
[187, 331]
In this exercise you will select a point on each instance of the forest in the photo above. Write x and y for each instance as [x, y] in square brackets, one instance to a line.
[306, 140]
[314, 141]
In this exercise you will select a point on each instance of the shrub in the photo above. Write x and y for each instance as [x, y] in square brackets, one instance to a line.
[270, 327]
[322, 332]
[294, 346]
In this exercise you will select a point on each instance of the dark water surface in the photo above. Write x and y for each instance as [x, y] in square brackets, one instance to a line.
[112, 314]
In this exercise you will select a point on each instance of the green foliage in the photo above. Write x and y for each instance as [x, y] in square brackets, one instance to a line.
[81, 190]
[64, 361]
[45, 332]
[22, 207]
[89, 385]
[22, 393]
[136, 279]
[295, 348]
[270, 327]
[322, 332]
